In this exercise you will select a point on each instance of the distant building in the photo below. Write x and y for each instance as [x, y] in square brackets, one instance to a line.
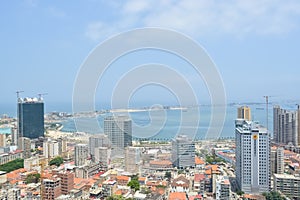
[97, 141]
[222, 188]
[252, 157]
[81, 154]
[102, 155]
[277, 160]
[24, 144]
[87, 171]
[119, 132]
[288, 185]
[51, 149]
[133, 159]
[183, 152]
[30, 117]
[2, 140]
[285, 126]
[244, 112]
[14, 194]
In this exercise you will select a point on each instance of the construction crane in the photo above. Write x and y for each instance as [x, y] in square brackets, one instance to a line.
[18, 93]
[41, 95]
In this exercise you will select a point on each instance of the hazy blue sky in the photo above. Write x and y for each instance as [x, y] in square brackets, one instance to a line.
[255, 45]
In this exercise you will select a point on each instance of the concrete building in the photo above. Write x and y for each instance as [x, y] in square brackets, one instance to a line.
[31, 117]
[81, 154]
[119, 132]
[244, 112]
[97, 141]
[24, 144]
[252, 157]
[67, 181]
[51, 188]
[14, 194]
[277, 160]
[287, 184]
[87, 171]
[183, 152]
[51, 149]
[102, 155]
[222, 188]
[133, 159]
[2, 140]
[285, 126]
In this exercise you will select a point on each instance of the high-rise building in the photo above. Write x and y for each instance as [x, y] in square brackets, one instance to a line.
[285, 126]
[244, 112]
[133, 159]
[97, 141]
[252, 157]
[51, 149]
[183, 152]
[30, 117]
[102, 155]
[2, 140]
[119, 132]
[277, 160]
[81, 154]
[24, 144]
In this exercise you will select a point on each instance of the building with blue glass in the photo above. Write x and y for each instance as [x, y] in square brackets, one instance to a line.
[31, 117]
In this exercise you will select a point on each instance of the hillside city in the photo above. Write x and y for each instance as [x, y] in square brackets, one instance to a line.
[39, 161]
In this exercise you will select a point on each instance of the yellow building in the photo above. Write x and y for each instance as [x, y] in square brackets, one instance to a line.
[244, 112]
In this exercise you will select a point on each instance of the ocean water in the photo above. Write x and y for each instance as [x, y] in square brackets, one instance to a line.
[166, 124]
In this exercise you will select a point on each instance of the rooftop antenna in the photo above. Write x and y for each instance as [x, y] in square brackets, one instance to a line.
[18, 93]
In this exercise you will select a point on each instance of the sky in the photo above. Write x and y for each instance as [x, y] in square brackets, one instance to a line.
[255, 45]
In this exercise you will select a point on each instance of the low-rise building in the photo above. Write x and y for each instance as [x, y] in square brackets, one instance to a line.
[287, 184]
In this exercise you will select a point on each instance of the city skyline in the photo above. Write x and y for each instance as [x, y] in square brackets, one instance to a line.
[258, 38]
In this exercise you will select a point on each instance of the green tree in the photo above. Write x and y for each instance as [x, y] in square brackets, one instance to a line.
[32, 178]
[56, 161]
[273, 195]
[134, 184]
[12, 165]
[168, 175]
[115, 197]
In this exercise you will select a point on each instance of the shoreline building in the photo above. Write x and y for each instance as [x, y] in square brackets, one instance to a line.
[119, 132]
[244, 112]
[183, 152]
[286, 126]
[30, 117]
[252, 157]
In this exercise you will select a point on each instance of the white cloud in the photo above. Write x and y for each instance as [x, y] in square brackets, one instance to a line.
[202, 17]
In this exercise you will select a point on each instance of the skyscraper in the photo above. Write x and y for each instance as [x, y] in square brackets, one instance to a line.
[97, 141]
[252, 157]
[285, 126]
[81, 154]
[31, 117]
[119, 132]
[183, 152]
[133, 159]
[244, 112]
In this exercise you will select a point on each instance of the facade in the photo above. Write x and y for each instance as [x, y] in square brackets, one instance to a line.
[51, 188]
[67, 181]
[222, 188]
[133, 159]
[244, 112]
[183, 152]
[285, 126]
[97, 141]
[7, 157]
[30, 117]
[2, 140]
[252, 157]
[119, 132]
[51, 149]
[81, 154]
[24, 144]
[87, 171]
[277, 160]
[102, 155]
[287, 184]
